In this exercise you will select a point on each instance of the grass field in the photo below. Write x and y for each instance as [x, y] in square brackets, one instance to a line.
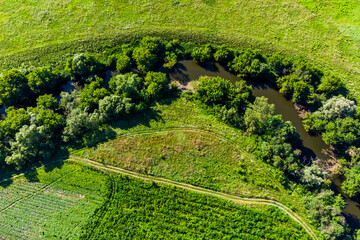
[326, 32]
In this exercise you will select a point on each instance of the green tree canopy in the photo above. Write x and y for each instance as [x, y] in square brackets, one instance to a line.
[14, 89]
[47, 101]
[42, 80]
[351, 185]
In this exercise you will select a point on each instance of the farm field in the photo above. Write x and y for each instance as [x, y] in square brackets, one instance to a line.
[103, 205]
[327, 32]
[50, 203]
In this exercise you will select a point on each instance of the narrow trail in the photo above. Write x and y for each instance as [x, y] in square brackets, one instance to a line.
[232, 198]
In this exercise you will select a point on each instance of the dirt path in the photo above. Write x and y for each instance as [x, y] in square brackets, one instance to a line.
[235, 199]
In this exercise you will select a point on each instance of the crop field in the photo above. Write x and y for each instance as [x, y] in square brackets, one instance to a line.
[326, 32]
[146, 210]
[33, 206]
[93, 205]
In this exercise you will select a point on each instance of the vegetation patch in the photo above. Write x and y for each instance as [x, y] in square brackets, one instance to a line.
[146, 210]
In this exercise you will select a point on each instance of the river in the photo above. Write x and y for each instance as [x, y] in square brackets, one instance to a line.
[311, 147]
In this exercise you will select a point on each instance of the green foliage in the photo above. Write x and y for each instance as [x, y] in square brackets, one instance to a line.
[127, 86]
[42, 80]
[337, 107]
[123, 63]
[203, 54]
[51, 121]
[257, 115]
[145, 210]
[14, 89]
[149, 54]
[224, 55]
[92, 94]
[30, 144]
[16, 118]
[250, 65]
[115, 107]
[342, 133]
[313, 176]
[47, 101]
[171, 60]
[156, 85]
[303, 93]
[293, 87]
[351, 186]
[331, 86]
[218, 91]
[78, 123]
[82, 66]
[325, 209]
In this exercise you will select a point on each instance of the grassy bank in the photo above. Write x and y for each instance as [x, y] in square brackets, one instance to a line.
[34, 32]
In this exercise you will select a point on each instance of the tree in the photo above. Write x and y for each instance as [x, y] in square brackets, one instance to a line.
[80, 122]
[202, 54]
[331, 85]
[250, 65]
[351, 185]
[224, 55]
[123, 63]
[30, 145]
[149, 54]
[313, 176]
[14, 89]
[257, 115]
[51, 121]
[337, 107]
[16, 118]
[42, 80]
[115, 107]
[303, 93]
[215, 90]
[128, 86]
[92, 94]
[156, 84]
[47, 101]
[82, 66]
[342, 133]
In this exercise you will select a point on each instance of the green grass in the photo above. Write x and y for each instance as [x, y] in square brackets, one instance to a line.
[51, 203]
[326, 32]
[139, 210]
[178, 140]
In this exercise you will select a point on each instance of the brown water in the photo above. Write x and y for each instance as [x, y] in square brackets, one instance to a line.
[311, 147]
